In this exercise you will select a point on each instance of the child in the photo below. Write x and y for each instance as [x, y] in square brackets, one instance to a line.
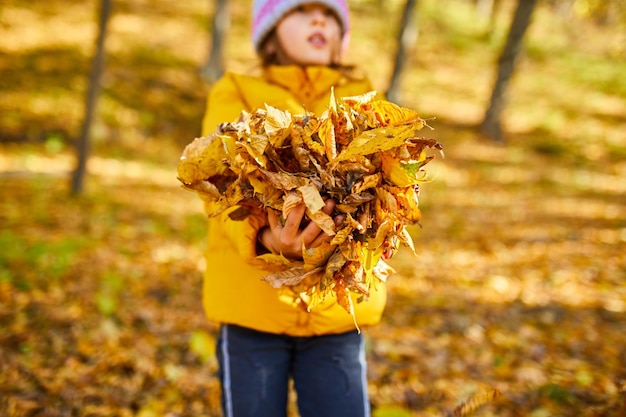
[266, 337]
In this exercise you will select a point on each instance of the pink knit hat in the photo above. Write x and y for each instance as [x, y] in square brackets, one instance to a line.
[267, 13]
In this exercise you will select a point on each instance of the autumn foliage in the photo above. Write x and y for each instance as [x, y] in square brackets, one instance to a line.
[518, 286]
[361, 152]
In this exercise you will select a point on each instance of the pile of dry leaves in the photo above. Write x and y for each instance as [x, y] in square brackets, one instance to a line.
[361, 152]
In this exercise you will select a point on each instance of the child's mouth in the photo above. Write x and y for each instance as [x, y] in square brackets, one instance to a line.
[317, 40]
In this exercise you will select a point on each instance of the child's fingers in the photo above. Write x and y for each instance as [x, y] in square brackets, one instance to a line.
[292, 223]
[273, 219]
[329, 206]
[319, 239]
[312, 235]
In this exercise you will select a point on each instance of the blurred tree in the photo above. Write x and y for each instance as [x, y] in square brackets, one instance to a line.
[491, 124]
[603, 12]
[83, 146]
[214, 67]
[487, 11]
[407, 38]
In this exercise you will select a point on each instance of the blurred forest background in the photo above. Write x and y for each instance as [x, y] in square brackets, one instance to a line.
[519, 286]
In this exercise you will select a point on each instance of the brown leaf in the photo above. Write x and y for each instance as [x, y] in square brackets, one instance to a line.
[475, 401]
[292, 276]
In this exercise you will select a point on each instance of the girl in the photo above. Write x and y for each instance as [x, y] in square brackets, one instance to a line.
[266, 337]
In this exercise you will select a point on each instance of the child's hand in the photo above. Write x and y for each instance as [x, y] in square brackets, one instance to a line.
[287, 239]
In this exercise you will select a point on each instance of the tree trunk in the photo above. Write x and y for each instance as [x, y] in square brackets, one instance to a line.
[407, 38]
[214, 67]
[491, 124]
[83, 145]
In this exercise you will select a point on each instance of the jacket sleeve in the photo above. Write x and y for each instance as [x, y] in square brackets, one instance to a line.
[242, 234]
[225, 102]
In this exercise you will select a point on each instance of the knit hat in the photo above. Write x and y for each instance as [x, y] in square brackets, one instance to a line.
[267, 13]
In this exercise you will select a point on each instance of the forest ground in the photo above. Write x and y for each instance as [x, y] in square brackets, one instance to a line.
[518, 285]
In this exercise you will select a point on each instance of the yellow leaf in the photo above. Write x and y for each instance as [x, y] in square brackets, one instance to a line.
[334, 264]
[323, 220]
[408, 204]
[357, 164]
[332, 105]
[392, 114]
[290, 201]
[312, 198]
[274, 259]
[265, 193]
[284, 180]
[229, 145]
[327, 135]
[290, 277]
[353, 251]
[346, 208]
[475, 401]
[383, 270]
[318, 256]
[396, 174]
[205, 190]
[202, 159]
[352, 222]
[367, 182]
[202, 344]
[386, 204]
[342, 235]
[255, 146]
[407, 240]
[299, 149]
[384, 229]
[355, 101]
[358, 199]
[345, 301]
[277, 125]
[376, 140]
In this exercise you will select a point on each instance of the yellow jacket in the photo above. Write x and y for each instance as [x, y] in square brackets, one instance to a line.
[233, 290]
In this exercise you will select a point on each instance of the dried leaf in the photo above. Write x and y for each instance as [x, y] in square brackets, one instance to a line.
[360, 152]
[277, 125]
[323, 220]
[377, 140]
[291, 200]
[312, 198]
[327, 135]
[203, 158]
[474, 402]
[342, 235]
[318, 256]
[292, 276]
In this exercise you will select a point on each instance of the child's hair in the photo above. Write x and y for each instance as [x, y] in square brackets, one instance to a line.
[267, 13]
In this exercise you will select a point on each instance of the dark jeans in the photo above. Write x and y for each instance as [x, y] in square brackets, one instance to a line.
[329, 374]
